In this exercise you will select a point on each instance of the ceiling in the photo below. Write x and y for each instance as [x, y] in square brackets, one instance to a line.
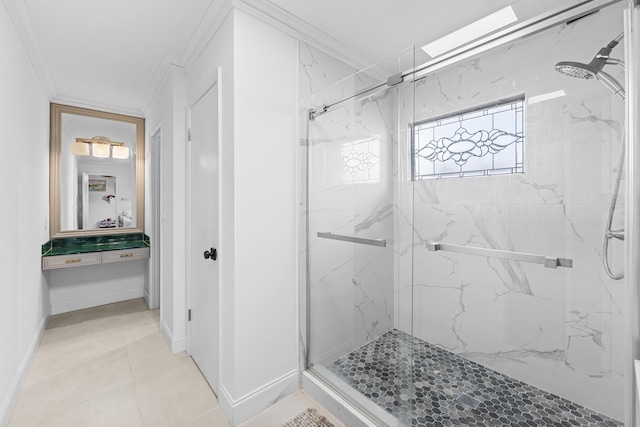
[113, 54]
[379, 29]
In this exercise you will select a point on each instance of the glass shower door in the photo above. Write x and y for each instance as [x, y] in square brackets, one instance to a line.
[353, 224]
[514, 167]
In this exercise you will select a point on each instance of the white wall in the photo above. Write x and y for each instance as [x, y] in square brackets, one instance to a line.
[94, 285]
[24, 120]
[265, 208]
[167, 113]
[257, 253]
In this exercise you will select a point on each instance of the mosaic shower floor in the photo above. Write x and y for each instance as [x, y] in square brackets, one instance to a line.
[450, 390]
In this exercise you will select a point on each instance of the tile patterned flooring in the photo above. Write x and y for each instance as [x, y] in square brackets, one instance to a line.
[380, 370]
[109, 366]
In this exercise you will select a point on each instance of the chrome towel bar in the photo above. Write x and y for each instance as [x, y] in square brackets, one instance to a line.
[353, 239]
[549, 262]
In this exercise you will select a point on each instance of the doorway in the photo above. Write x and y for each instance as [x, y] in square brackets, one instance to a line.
[152, 293]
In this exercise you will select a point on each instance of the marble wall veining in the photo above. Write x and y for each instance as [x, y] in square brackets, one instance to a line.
[558, 329]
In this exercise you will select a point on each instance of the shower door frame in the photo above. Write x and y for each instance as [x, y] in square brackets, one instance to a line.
[632, 165]
[632, 212]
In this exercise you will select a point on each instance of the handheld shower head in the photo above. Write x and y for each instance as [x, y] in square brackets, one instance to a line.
[593, 70]
[576, 69]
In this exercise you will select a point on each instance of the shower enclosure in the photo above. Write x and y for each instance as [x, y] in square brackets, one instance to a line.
[456, 210]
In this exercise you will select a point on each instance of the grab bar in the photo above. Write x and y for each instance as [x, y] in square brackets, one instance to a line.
[549, 262]
[353, 239]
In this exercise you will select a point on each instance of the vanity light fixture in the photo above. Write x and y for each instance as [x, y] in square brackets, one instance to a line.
[473, 31]
[100, 147]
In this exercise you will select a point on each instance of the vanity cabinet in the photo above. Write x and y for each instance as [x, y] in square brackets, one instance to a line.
[77, 260]
[77, 252]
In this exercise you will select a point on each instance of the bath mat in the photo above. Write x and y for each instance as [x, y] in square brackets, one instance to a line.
[309, 418]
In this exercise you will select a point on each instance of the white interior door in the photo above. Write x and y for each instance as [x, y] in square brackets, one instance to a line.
[203, 235]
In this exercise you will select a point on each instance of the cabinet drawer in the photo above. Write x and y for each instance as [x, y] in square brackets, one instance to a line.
[75, 260]
[125, 255]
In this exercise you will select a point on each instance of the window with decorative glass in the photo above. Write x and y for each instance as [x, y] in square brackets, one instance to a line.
[486, 140]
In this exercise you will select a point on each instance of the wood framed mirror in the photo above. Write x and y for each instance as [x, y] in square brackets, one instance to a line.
[96, 173]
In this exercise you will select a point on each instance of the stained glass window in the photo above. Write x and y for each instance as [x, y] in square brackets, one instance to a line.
[487, 140]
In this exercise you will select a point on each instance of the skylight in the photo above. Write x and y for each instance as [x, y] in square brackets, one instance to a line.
[475, 30]
[546, 97]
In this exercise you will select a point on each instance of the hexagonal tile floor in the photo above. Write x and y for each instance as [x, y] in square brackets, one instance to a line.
[449, 390]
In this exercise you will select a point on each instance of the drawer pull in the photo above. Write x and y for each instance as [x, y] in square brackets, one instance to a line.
[129, 255]
[71, 261]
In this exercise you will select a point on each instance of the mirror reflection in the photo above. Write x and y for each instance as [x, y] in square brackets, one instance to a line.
[97, 172]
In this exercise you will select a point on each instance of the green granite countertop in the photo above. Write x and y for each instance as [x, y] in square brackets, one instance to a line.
[79, 245]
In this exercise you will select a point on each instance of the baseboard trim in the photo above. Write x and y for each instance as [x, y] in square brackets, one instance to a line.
[14, 391]
[239, 410]
[94, 301]
[175, 344]
[224, 400]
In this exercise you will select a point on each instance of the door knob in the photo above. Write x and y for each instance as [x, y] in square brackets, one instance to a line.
[211, 253]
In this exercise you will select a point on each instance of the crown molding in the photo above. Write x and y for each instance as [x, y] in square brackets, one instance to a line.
[290, 24]
[204, 32]
[19, 14]
[263, 10]
[85, 103]
[286, 22]
[160, 77]
[209, 25]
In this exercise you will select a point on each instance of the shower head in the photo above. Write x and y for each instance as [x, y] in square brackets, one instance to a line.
[593, 70]
[576, 69]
